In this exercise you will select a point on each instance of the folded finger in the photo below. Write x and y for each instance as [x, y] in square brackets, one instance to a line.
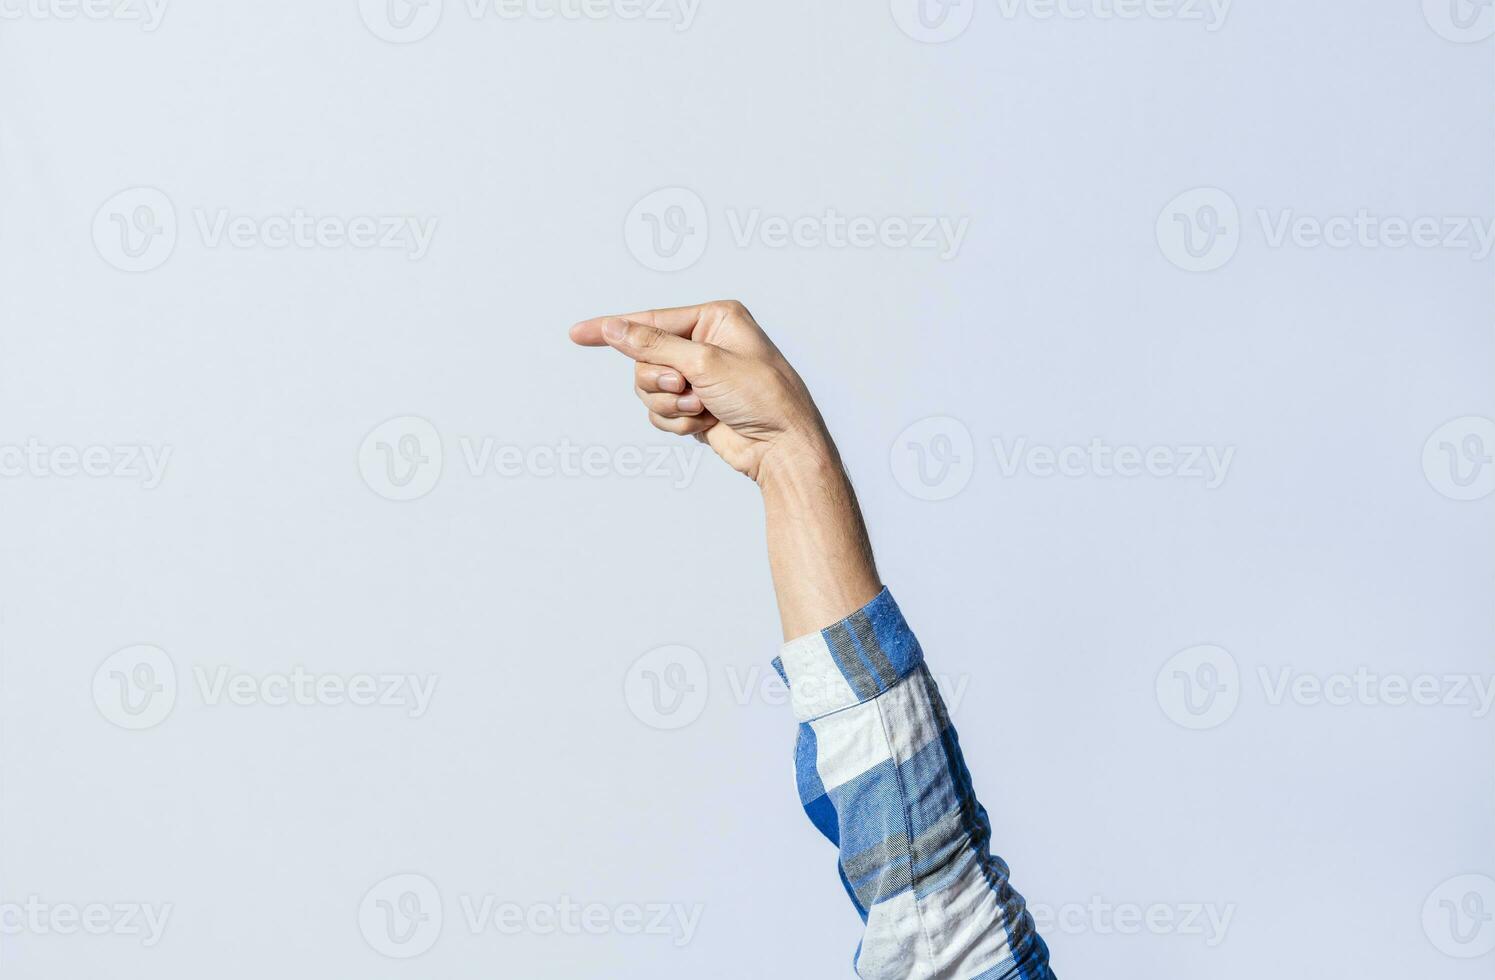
[657, 378]
[672, 406]
[687, 426]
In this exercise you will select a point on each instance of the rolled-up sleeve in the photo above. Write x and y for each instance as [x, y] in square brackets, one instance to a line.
[881, 775]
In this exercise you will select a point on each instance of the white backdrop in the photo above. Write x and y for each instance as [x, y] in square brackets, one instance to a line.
[352, 623]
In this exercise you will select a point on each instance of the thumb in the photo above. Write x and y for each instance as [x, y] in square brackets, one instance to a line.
[651, 345]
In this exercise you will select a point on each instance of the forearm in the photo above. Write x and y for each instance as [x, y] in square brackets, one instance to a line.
[879, 766]
[818, 548]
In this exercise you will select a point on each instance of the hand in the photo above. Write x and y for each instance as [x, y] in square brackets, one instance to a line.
[710, 371]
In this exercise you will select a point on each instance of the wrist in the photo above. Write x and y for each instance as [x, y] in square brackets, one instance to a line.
[797, 460]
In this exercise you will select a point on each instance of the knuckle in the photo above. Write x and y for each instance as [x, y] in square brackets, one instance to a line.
[710, 359]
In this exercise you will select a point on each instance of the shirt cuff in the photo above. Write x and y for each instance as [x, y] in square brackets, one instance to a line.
[855, 660]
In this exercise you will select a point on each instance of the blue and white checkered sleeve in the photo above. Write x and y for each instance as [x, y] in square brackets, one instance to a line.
[881, 775]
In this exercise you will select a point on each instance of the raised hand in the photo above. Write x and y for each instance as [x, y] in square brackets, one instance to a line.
[710, 371]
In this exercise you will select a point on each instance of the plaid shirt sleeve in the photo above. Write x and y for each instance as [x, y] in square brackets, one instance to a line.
[881, 775]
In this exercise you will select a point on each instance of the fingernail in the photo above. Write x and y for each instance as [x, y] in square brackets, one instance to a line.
[671, 382]
[613, 330]
[688, 403]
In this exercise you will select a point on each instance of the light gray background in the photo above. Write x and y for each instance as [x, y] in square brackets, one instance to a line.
[1055, 601]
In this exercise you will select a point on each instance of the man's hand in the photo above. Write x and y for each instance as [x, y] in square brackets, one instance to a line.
[710, 371]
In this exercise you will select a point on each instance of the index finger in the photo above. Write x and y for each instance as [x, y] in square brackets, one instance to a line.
[680, 321]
